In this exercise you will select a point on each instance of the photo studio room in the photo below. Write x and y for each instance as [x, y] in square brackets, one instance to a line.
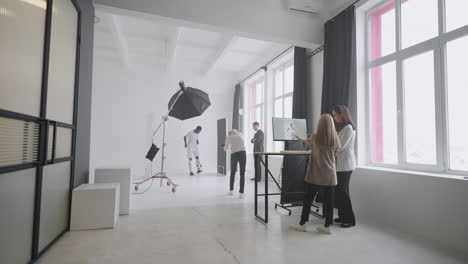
[221, 131]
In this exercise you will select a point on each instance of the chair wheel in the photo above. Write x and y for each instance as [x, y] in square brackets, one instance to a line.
[168, 183]
[174, 189]
[289, 213]
[137, 187]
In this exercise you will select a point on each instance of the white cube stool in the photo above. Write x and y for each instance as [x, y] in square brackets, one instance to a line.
[95, 206]
[122, 176]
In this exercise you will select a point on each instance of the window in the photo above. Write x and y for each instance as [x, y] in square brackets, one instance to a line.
[283, 92]
[382, 27]
[384, 113]
[417, 85]
[419, 21]
[456, 14]
[254, 109]
[457, 79]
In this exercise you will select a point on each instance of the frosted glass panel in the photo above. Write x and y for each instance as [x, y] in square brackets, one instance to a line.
[54, 202]
[19, 141]
[64, 143]
[22, 26]
[17, 210]
[60, 95]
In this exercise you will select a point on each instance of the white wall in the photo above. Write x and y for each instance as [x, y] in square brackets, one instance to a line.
[261, 19]
[129, 103]
[430, 207]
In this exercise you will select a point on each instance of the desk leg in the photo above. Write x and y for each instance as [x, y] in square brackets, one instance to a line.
[266, 189]
[256, 185]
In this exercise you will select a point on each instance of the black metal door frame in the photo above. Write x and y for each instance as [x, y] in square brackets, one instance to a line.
[221, 154]
[44, 133]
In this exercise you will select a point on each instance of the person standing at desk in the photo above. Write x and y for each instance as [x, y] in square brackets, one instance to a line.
[257, 140]
[345, 164]
[235, 141]
[321, 171]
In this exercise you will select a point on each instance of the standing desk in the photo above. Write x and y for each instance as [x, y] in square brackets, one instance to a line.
[268, 173]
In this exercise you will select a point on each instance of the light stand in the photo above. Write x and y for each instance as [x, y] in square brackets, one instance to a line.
[162, 174]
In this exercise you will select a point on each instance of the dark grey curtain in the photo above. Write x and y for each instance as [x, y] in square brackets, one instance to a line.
[339, 75]
[294, 167]
[300, 92]
[300, 84]
[237, 106]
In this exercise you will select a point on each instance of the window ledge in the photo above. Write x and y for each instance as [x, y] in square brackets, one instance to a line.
[421, 173]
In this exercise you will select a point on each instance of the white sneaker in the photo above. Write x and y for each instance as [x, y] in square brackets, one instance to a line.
[325, 230]
[300, 228]
[230, 193]
[241, 195]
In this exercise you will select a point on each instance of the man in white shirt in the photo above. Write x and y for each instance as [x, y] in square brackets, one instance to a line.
[235, 142]
[191, 144]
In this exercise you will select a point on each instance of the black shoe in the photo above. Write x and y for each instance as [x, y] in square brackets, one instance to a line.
[199, 171]
[191, 174]
[338, 220]
[347, 225]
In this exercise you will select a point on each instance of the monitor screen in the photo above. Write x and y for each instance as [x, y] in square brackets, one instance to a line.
[287, 128]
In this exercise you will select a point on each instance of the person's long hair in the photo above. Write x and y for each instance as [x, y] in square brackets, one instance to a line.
[326, 132]
[347, 119]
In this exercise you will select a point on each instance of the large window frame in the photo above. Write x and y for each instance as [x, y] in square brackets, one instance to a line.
[282, 95]
[250, 108]
[438, 45]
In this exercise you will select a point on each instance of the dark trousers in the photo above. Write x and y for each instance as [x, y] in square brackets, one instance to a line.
[238, 157]
[311, 191]
[343, 200]
[257, 168]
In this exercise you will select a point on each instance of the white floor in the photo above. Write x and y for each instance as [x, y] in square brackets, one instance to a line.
[200, 224]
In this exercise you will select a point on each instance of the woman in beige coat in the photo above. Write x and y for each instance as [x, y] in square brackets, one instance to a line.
[321, 171]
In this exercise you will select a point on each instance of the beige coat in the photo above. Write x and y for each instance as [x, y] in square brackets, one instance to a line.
[322, 164]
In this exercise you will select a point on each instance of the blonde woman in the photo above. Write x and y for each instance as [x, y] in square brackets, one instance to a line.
[321, 171]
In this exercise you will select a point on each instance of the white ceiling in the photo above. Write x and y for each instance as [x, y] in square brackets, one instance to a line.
[141, 42]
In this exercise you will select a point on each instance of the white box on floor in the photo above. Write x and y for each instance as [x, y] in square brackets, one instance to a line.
[122, 176]
[95, 206]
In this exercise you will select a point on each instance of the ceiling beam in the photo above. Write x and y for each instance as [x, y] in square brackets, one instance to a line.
[120, 40]
[171, 48]
[221, 51]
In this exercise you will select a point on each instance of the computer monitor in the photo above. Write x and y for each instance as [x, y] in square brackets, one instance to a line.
[285, 129]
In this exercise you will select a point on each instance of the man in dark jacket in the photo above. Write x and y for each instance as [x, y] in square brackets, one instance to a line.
[257, 140]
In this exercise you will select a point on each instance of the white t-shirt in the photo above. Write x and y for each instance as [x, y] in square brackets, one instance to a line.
[192, 139]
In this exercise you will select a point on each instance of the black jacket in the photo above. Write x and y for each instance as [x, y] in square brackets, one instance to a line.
[257, 140]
